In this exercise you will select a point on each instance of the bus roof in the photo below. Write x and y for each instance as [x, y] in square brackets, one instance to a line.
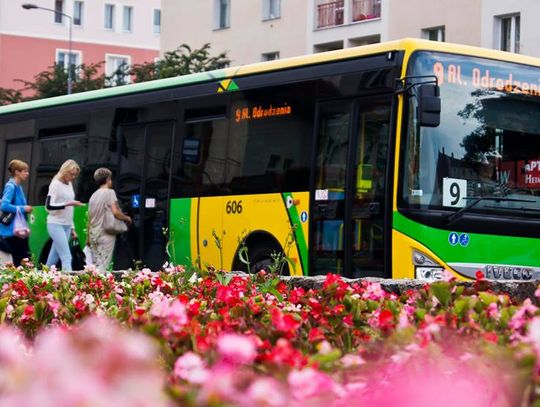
[407, 44]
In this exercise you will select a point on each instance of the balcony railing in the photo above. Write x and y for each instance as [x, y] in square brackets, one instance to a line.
[330, 13]
[365, 9]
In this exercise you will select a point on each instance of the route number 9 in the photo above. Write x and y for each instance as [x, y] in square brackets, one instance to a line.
[454, 192]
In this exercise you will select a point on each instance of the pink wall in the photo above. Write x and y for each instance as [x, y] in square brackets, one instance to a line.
[24, 57]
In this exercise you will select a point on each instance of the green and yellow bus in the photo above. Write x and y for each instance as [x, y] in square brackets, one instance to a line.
[396, 160]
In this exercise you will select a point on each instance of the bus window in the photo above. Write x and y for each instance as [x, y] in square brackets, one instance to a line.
[53, 151]
[270, 140]
[204, 160]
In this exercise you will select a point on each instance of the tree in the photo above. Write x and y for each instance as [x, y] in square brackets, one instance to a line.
[181, 61]
[53, 81]
[9, 96]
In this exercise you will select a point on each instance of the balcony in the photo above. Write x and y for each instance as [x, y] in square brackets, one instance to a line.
[365, 10]
[330, 13]
[333, 13]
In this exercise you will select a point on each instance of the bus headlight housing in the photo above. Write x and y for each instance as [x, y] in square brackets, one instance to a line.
[425, 268]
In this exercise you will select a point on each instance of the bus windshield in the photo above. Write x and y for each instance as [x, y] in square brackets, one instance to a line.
[487, 145]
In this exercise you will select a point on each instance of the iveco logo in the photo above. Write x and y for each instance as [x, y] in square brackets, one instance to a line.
[508, 273]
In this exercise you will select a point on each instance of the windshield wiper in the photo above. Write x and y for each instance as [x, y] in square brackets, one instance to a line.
[455, 216]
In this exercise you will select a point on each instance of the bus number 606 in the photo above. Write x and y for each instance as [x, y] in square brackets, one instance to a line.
[233, 207]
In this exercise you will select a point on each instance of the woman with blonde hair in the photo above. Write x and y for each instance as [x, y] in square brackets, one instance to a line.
[59, 204]
[101, 204]
[13, 199]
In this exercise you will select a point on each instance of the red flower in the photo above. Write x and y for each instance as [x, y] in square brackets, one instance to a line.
[315, 335]
[348, 320]
[28, 311]
[386, 319]
[139, 311]
[284, 322]
[479, 275]
[491, 337]
[297, 295]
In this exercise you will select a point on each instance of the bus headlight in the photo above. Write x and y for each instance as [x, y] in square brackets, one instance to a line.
[429, 273]
[425, 268]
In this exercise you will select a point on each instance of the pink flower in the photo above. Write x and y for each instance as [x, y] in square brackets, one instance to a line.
[237, 349]
[159, 307]
[176, 314]
[309, 383]
[265, 392]
[190, 367]
[374, 292]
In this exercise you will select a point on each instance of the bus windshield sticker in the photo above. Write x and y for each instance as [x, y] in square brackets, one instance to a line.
[321, 195]
[454, 192]
[150, 203]
[191, 151]
[417, 192]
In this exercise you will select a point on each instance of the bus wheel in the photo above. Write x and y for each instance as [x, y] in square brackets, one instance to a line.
[260, 258]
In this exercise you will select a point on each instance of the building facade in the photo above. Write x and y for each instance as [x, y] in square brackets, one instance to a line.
[338, 24]
[249, 30]
[256, 30]
[112, 31]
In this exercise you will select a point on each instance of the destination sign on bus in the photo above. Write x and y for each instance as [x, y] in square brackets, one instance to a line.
[482, 77]
[261, 112]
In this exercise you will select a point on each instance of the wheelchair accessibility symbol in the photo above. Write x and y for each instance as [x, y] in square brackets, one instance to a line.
[135, 201]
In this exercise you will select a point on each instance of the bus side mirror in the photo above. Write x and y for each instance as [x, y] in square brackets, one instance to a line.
[428, 111]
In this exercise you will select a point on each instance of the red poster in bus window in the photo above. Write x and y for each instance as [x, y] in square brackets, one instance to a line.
[530, 174]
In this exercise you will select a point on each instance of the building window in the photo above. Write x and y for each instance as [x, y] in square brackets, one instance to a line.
[116, 69]
[75, 60]
[157, 21]
[109, 16]
[270, 56]
[509, 33]
[271, 9]
[78, 10]
[434, 34]
[59, 9]
[127, 24]
[222, 13]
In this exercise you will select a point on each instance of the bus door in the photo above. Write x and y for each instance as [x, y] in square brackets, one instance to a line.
[348, 188]
[142, 186]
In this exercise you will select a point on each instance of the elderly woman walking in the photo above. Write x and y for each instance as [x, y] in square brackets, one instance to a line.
[59, 204]
[102, 203]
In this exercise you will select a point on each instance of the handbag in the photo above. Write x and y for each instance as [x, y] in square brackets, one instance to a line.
[7, 217]
[113, 226]
[78, 260]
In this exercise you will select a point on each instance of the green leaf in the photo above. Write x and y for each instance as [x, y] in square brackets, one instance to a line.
[441, 291]
[487, 298]
[461, 306]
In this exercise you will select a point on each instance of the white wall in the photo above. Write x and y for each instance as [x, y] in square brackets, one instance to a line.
[192, 22]
[529, 11]
[461, 19]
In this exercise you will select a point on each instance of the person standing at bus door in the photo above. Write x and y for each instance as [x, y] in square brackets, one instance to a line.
[101, 202]
[14, 199]
[59, 204]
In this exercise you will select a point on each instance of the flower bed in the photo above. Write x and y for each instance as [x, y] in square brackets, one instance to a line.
[202, 338]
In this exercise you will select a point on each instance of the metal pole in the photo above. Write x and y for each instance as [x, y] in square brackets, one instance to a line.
[28, 6]
[70, 79]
